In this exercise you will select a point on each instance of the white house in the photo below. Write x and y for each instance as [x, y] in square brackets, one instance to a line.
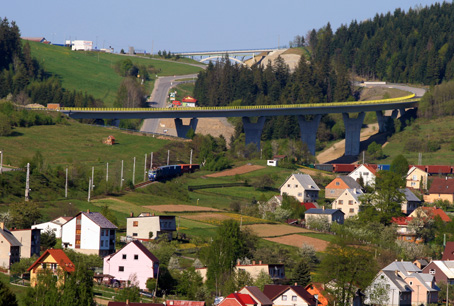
[53, 226]
[366, 172]
[148, 226]
[284, 295]
[89, 233]
[301, 186]
[133, 262]
[349, 202]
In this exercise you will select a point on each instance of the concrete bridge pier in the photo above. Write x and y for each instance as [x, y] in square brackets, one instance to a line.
[308, 129]
[182, 130]
[253, 131]
[352, 133]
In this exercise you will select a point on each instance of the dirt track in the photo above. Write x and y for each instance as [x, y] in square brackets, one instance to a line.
[179, 208]
[237, 170]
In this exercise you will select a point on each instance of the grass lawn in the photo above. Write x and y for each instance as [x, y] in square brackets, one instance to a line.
[94, 72]
[195, 228]
[74, 142]
[19, 291]
[321, 236]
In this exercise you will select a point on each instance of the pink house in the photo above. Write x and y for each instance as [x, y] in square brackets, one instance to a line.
[134, 261]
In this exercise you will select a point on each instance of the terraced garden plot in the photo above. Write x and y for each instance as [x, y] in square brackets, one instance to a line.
[179, 208]
[218, 218]
[274, 230]
[298, 240]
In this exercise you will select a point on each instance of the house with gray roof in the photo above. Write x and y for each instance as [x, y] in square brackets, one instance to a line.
[335, 188]
[301, 186]
[9, 248]
[331, 215]
[89, 233]
[349, 202]
[411, 201]
[389, 288]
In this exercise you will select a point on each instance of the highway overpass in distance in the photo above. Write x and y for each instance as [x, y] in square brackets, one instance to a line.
[308, 115]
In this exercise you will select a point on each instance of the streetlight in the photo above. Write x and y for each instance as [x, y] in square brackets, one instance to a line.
[1, 162]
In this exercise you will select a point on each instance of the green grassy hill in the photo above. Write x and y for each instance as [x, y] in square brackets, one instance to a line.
[94, 72]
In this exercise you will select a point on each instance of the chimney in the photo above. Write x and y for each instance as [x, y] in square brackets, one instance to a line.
[2, 225]
[253, 262]
[323, 207]
[396, 272]
[260, 262]
[238, 263]
[153, 214]
[127, 302]
[354, 190]
[131, 214]
[88, 211]
[296, 284]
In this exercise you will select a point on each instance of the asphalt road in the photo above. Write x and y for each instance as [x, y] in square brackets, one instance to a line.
[158, 98]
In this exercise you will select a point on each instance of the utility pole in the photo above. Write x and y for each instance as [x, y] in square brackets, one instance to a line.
[107, 172]
[121, 179]
[1, 161]
[145, 168]
[190, 159]
[92, 177]
[89, 189]
[27, 183]
[168, 157]
[66, 184]
[134, 172]
[151, 160]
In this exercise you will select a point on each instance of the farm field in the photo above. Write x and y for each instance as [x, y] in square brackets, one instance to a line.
[218, 218]
[94, 72]
[298, 241]
[273, 230]
[237, 170]
[179, 208]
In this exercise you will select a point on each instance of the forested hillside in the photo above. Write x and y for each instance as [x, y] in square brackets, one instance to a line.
[412, 47]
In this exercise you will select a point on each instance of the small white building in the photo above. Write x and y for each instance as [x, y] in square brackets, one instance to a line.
[148, 226]
[52, 226]
[89, 233]
[365, 172]
[132, 261]
[81, 45]
[301, 186]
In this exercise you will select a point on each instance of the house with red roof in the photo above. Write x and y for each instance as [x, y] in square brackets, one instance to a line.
[430, 212]
[309, 205]
[238, 299]
[134, 259]
[53, 260]
[285, 295]
[440, 189]
[189, 101]
[257, 295]
[404, 231]
[318, 291]
[365, 172]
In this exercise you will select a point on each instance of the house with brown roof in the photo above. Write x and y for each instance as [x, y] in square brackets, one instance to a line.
[334, 189]
[365, 172]
[448, 253]
[53, 260]
[9, 248]
[430, 213]
[89, 233]
[255, 293]
[134, 259]
[441, 189]
[285, 295]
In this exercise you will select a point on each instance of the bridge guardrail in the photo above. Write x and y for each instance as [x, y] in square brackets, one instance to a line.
[409, 98]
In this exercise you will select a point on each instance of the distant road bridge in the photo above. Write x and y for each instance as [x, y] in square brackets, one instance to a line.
[233, 54]
[308, 115]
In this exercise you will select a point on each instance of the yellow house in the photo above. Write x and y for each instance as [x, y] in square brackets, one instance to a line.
[52, 260]
[417, 178]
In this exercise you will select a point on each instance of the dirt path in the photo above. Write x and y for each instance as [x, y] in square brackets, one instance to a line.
[237, 170]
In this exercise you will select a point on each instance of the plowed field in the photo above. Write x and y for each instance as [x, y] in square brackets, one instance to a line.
[298, 240]
[179, 208]
[273, 230]
[237, 170]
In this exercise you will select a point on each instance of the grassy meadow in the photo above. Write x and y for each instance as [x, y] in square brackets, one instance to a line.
[93, 72]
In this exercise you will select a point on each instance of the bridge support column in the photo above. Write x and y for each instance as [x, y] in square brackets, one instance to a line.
[384, 122]
[253, 131]
[182, 130]
[308, 129]
[352, 133]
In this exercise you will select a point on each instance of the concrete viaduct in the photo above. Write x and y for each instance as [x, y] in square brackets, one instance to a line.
[308, 115]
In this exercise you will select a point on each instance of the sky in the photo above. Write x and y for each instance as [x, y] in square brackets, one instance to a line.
[181, 25]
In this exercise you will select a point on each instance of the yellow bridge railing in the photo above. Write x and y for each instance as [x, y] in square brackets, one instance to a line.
[409, 98]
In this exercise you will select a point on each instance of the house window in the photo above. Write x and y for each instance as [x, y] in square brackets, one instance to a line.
[337, 183]
[135, 223]
[121, 269]
[350, 202]
[296, 186]
[294, 298]
[134, 234]
[136, 257]
[124, 256]
[341, 202]
[78, 232]
[288, 185]
[300, 194]
[331, 191]
[53, 266]
[77, 241]
[411, 283]
[102, 243]
[432, 271]
[284, 298]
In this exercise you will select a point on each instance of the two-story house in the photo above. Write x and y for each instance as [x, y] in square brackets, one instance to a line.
[89, 233]
[148, 226]
[9, 248]
[336, 187]
[53, 260]
[257, 295]
[410, 202]
[52, 226]
[349, 202]
[30, 240]
[417, 178]
[442, 270]
[133, 259]
[389, 289]
[365, 173]
[285, 295]
[238, 299]
[301, 186]
[276, 271]
[441, 188]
